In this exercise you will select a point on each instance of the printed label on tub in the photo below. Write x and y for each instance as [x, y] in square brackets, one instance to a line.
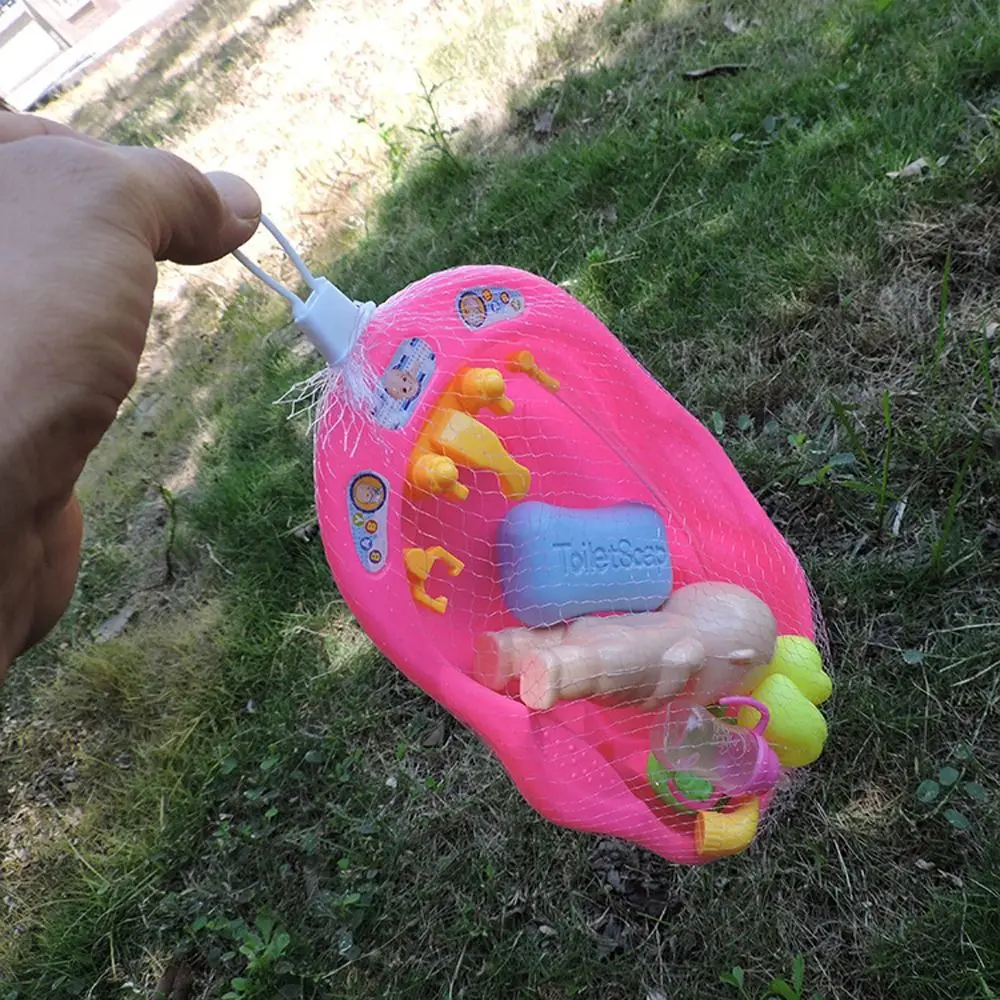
[403, 383]
[367, 505]
[479, 307]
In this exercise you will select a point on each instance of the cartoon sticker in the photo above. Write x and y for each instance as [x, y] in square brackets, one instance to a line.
[479, 307]
[368, 492]
[403, 382]
[367, 505]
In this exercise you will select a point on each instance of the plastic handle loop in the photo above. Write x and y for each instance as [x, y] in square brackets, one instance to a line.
[307, 276]
[331, 321]
[765, 714]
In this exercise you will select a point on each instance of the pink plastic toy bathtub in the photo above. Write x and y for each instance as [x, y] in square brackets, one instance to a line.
[592, 428]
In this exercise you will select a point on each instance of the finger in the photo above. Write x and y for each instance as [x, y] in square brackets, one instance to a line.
[14, 127]
[187, 216]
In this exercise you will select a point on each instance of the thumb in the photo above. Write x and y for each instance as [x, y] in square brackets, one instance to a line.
[184, 215]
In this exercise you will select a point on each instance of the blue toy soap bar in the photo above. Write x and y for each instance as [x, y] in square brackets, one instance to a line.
[557, 563]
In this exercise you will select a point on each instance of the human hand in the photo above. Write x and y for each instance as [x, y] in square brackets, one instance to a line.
[82, 224]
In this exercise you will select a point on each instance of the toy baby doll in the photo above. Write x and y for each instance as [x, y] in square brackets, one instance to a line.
[709, 639]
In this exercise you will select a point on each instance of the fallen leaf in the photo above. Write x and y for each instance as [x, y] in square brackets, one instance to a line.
[176, 983]
[543, 122]
[435, 735]
[113, 627]
[73, 816]
[722, 69]
[612, 936]
[897, 518]
[310, 882]
[914, 169]
[651, 899]
[735, 24]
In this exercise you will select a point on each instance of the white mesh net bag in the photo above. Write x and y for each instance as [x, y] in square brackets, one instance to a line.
[553, 548]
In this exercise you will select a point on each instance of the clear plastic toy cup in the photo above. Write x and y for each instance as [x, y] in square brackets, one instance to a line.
[737, 761]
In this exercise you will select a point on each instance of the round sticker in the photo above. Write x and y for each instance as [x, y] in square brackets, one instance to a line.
[368, 493]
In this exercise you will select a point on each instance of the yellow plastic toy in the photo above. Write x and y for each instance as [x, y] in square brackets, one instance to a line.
[452, 437]
[524, 361]
[419, 563]
[799, 660]
[437, 474]
[797, 730]
[474, 388]
[718, 834]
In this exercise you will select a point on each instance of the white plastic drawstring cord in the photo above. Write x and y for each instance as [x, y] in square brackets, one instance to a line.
[332, 321]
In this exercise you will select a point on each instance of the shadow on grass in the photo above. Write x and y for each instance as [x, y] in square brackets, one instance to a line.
[192, 67]
[742, 238]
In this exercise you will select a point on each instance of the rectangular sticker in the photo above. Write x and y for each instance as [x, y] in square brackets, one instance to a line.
[368, 507]
[402, 384]
[479, 307]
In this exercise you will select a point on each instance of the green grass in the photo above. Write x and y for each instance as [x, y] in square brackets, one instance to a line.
[247, 773]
